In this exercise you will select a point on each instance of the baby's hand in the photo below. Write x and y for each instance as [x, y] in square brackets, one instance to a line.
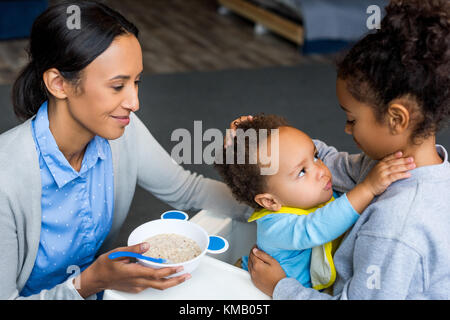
[388, 170]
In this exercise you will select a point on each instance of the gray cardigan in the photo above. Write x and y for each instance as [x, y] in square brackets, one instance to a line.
[137, 158]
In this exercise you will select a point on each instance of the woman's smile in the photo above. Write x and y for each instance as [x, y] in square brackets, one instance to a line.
[124, 120]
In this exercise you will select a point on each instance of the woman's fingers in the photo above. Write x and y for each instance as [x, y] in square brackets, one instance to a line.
[165, 272]
[138, 248]
[163, 284]
[140, 271]
[235, 123]
[157, 278]
[141, 284]
[231, 133]
[229, 136]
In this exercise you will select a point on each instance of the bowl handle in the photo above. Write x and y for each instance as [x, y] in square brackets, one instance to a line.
[175, 214]
[217, 245]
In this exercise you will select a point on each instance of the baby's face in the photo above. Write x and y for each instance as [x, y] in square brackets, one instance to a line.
[302, 181]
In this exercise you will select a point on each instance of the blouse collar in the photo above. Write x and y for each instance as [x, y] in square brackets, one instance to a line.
[57, 164]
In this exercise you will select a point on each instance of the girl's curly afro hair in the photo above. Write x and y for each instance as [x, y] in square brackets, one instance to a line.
[408, 57]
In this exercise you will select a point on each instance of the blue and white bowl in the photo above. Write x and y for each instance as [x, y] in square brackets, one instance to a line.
[177, 222]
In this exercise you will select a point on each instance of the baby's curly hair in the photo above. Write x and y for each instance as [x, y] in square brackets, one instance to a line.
[245, 180]
[408, 57]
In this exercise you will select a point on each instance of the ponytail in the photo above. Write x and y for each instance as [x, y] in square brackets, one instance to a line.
[28, 93]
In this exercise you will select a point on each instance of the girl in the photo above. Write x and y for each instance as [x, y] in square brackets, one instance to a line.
[394, 87]
[70, 170]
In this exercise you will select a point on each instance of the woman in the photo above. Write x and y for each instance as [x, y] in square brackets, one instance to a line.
[70, 170]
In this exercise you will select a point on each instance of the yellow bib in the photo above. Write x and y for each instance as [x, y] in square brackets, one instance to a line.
[322, 270]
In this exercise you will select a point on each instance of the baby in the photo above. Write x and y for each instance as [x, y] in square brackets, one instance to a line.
[299, 217]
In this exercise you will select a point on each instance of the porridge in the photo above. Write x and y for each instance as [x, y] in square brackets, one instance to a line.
[174, 247]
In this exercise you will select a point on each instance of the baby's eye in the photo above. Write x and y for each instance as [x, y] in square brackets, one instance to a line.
[351, 122]
[302, 173]
[316, 157]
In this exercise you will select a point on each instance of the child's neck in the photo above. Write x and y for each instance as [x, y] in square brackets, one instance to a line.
[424, 154]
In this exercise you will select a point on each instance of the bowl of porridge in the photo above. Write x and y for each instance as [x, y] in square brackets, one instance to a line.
[174, 238]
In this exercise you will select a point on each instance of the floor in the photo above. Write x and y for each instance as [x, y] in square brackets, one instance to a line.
[180, 36]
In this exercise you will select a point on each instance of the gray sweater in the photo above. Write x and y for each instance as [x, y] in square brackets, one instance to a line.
[400, 246]
[137, 159]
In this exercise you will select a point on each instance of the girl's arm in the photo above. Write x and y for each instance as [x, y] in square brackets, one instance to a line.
[347, 169]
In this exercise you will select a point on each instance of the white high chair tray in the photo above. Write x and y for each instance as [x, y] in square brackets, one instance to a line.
[212, 280]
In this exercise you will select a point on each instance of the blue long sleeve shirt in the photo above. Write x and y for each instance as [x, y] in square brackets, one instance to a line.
[289, 238]
[77, 207]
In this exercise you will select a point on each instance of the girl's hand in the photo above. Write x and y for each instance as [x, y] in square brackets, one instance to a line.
[391, 168]
[123, 275]
[264, 270]
[232, 132]
[388, 170]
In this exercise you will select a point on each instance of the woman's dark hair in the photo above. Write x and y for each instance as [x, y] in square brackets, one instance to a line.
[245, 180]
[54, 45]
[408, 58]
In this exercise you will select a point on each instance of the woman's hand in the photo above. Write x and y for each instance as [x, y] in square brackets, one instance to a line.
[264, 270]
[232, 132]
[120, 274]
